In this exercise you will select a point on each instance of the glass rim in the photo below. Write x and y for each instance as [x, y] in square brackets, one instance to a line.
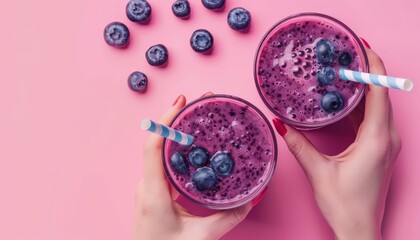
[310, 126]
[261, 186]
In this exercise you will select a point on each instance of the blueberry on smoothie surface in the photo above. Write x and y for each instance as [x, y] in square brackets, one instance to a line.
[332, 102]
[137, 81]
[178, 163]
[201, 41]
[157, 55]
[345, 59]
[181, 8]
[239, 19]
[198, 157]
[204, 178]
[326, 76]
[222, 164]
[324, 52]
[116, 34]
[138, 11]
[213, 4]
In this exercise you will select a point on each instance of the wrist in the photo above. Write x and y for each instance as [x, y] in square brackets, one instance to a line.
[358, 230]
[359, 237]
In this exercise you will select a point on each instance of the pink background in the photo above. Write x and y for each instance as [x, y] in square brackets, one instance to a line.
[70, 143]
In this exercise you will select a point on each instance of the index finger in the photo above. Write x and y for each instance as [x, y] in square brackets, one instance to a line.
[377, 105]
[152, 163]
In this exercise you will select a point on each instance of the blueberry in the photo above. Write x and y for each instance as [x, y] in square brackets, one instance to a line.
[332, 102]
[239, 19]
[116, 34]
[181, 8]
[198, 157]
[213, 4]
[345, 59]
[157, 55]
[178, 163]
[137, 81]
[204, 178]
[326, 76]
[222, 163]
[138, 11]
[201, 41]
[324, 51]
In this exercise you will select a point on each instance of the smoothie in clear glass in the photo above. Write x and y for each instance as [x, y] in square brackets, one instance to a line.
[296, 70]
[233, 155]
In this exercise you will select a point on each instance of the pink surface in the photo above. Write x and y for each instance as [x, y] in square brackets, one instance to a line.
[70, 142]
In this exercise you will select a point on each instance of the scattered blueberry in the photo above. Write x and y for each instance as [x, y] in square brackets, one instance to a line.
[201, 41]
[181, 8]
[222, 163]
[239, 19]
[326, 76]
[116, 34]
[332, 102]
[157, 55]
[178, 163]
[324, 51]
[138, 11]
[137, 81]
[198, 157]
[345, 59]
[204, 178]
[213, 4]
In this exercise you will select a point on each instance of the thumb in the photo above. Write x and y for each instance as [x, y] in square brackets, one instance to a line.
[300, 146]
[222, 222]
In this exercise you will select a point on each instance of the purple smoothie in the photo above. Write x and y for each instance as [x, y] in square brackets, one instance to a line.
[287, 69]
[222, 123]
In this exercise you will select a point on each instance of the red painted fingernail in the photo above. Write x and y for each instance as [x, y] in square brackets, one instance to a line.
[258, 198]
[281, 129]
[206, 94]
[366, 43]
[176, 100]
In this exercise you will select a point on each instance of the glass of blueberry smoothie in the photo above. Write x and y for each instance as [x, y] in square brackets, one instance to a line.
[233, 155]
[296, 70]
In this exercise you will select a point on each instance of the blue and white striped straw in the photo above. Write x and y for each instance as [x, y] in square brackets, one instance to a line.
[379, 80]
[167, 132]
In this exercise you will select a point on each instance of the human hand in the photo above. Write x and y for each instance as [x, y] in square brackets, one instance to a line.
[158, 216]
[350, 188]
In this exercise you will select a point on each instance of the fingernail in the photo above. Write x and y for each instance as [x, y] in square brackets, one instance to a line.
[281, 129]
[366, 43]
[206, 94]
[258, 199]
[176, 100]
